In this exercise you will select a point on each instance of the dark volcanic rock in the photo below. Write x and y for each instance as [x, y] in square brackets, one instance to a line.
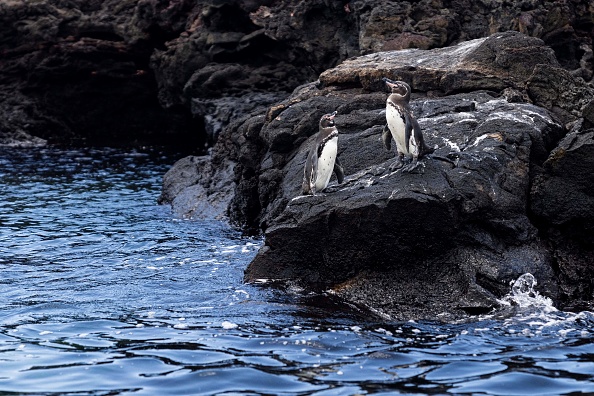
[505, 60]
[463, 224]
[349, 88]
[186, 187]
[78, 71]
[562, 198]
[563, 25]
[156, 71]
[467, 223]
[237, 56]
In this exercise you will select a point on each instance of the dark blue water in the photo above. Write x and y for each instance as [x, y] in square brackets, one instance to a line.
[104, 292]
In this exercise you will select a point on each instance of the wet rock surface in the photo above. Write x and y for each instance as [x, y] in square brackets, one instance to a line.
[380, 236]
[446, 240]
[188, 187]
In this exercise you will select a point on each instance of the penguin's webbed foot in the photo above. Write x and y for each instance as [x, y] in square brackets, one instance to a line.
[414, 165]
[331, 189]
[397, 164]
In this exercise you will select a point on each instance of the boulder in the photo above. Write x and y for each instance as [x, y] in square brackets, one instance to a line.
[462, 223]
[446, 241]
[196, 187]
[354, 88]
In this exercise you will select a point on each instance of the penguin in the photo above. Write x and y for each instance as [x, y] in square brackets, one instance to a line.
[322, 159]
[403, 127]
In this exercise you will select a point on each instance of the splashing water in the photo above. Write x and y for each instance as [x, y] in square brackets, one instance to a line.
[523, 295]
[525, 311]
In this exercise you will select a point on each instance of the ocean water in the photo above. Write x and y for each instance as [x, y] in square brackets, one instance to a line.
[104, 292]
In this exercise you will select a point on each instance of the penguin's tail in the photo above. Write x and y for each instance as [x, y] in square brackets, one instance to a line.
[429, 150]
[444, 159]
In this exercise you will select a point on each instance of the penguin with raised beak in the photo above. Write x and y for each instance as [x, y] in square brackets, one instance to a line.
[403, 127]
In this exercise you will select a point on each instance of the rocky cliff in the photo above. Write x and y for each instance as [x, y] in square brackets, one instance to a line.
[178, 72]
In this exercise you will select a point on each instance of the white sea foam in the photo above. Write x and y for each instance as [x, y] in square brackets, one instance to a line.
[384, 331]
[261, 280]
[526, 312]
[523, 294]
[229, 325]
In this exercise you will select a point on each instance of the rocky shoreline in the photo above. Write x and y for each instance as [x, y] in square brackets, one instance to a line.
[504, 90]
[450, 240]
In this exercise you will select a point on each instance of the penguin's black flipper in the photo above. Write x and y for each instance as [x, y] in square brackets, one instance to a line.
[305, 189]
[424, 149]
[410, 127]
[339, 170]
[387, 137]
[310, 172]
[314, 171]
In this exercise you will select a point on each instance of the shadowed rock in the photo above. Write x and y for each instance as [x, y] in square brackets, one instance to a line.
[562, 200]
[77, 72]
[155, 71]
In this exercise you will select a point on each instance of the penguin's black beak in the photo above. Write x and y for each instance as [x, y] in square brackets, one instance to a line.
[333, 115]
[390, 83]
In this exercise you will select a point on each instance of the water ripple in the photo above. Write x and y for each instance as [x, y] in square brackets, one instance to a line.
[105, 292]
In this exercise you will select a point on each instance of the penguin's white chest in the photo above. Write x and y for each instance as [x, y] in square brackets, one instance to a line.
[397, 127]
[326, 163]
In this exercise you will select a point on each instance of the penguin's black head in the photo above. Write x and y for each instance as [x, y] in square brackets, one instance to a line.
[398, 87]
[327, 120]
